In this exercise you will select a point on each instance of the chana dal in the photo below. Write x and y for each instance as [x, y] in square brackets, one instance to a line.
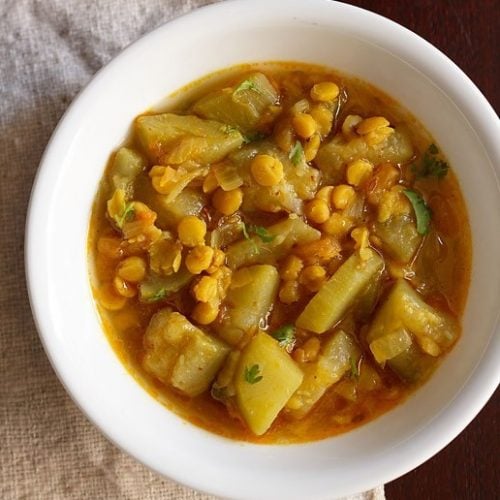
[280, 254]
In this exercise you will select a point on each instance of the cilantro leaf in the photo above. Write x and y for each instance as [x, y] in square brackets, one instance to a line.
[263, 234]
[259, 231]
[247, 85]
[126, 216]
[354, 368]
[256, 136]
[246, 234]
[422, 211]
[159, 295]
[296, 153]
[430, 166]
[285, 337]
[433, 149]
[252, 374]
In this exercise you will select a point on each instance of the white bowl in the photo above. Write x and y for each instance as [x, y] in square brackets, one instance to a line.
[324, 32]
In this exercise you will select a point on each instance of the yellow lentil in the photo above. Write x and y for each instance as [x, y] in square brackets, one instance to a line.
[266, 170]
[109, 298]
[370, 124]
[342, 196]
[191, 231]
[132, 269]
[199, 259]
[123, 288]
[317, 211]
[210, 183]
[289, 292]
[304, 125]
[311, 147]
[325, 91]
[206, 289]
[312, 277]
[227, 202]
[337, 225]
[349, 126]
[204, 313]
[358, 172]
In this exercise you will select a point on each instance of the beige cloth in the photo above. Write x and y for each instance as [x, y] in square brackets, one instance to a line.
[48, 50]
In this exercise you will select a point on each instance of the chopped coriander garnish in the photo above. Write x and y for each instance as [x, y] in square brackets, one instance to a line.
[159, 295]
[247, 85]
[285, 337]
[246, 234]
[430, 166]
[257, 136]
[263, 234]
[433, 149]
[296, 153]
[354, 368]
[259, 231]
[126, 215]
[248, 138]
[252, 374]
[422, 211]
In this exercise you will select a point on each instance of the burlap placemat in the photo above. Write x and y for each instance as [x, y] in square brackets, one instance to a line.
[48, 51]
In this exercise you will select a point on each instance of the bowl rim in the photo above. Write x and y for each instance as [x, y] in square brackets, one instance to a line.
[486, 377]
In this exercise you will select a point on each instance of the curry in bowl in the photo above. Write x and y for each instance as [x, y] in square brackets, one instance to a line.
[280, 254]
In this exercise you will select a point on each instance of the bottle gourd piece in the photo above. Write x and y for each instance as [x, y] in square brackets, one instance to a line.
[265, 379]
[285, 234]
[249, 299]
[241, 106]
[405, 310]
[339, 293]
[168, 138]
[335, 359]
[180, 354]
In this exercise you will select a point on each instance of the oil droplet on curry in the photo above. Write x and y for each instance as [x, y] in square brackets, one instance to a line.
[280, 253]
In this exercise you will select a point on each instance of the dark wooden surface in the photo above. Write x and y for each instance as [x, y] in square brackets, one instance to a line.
[467, 31]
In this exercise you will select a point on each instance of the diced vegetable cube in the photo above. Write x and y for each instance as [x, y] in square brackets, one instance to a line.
[241, 106]
[174, 139]
[223, 388]
[285, 234]
[333, 156]
[188, 202]
[412, 365]
[369, 379]
[181, 355]
[339, 293]
[336, 357]
[249, 300]
[390, 345]
[265, 379]
[404, 308]
[433, 330]
[156, 288]
[399, 237]
[127, 165]
[367, 300]
[300, 180]
[227, 175]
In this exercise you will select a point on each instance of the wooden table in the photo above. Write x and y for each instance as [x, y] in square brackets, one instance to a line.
[467, 31]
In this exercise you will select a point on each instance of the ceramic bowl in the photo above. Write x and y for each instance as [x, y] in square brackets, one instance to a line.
[316, 31]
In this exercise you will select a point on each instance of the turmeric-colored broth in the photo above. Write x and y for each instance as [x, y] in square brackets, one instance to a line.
[438, 269]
